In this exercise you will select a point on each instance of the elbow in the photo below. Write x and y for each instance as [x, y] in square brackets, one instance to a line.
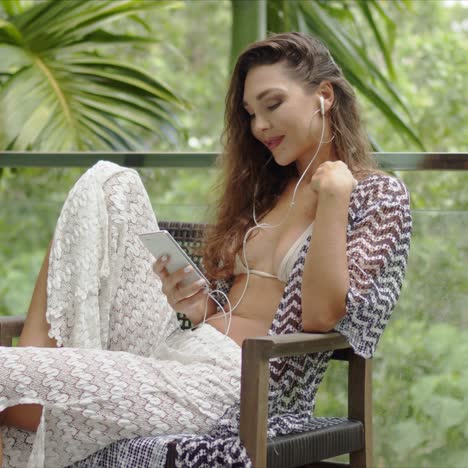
[319, 326]
[322, 319]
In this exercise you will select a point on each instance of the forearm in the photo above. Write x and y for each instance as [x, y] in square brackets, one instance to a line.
[326, 279]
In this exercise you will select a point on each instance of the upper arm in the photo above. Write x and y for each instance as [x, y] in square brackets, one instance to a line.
[377, 248]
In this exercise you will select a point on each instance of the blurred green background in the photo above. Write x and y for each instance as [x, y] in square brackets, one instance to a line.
[164, 66]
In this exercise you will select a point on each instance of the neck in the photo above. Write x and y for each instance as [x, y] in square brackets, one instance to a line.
[327, 153]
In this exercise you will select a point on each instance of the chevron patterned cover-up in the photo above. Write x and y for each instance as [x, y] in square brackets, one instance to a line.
[378, 236]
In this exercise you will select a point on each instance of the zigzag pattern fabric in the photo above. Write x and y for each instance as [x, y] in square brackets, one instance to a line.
[378, 239]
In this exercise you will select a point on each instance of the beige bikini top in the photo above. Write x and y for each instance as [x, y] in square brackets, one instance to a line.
[286, 264]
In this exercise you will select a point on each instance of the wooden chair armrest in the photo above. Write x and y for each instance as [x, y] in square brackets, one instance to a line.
[10, 327]
[256, 353]
[294, 344]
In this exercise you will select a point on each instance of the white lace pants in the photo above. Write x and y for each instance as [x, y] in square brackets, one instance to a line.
[125, 369]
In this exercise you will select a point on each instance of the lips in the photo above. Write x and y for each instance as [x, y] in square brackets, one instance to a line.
[274, 142]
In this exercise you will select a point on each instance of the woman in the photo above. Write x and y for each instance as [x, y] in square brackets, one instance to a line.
[303, 214]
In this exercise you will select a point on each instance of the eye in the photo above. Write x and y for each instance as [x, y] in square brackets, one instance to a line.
[274, 106]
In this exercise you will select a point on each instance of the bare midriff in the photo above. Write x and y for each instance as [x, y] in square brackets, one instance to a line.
[253, 316]
[255, 313]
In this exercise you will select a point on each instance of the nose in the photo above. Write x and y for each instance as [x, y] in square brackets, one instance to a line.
[260, 124]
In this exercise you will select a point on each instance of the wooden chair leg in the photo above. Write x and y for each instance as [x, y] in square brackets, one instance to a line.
[360, 406]
[254, 401]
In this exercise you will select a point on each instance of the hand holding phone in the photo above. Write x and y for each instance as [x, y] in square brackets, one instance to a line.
[185, 292]
[162, 243]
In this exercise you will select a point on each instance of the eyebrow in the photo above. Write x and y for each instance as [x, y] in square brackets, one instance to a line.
[263, 94]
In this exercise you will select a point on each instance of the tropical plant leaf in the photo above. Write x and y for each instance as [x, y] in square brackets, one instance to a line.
[102, 36]
[73, 99]
[367, 12]
[344, 47]
[14, 7]
[9, 34]
[358, 68]
[339, 11]
[135, 75]
[13, 58]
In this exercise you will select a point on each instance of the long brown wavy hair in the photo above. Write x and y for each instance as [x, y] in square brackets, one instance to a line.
[245, 161]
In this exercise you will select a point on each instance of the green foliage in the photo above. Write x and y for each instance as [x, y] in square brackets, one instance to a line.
[74, 95]
[430, 49]
[437, 279]
[422, 369]
[31, 200]
[420, 378]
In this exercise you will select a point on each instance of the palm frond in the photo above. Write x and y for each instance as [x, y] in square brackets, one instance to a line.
[72, 98]
[365, 7]
[14, 7]
[361, 71]
[9, 34]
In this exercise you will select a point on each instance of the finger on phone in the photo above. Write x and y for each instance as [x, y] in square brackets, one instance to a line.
[160, 264]
[173, 279]
[194, 288]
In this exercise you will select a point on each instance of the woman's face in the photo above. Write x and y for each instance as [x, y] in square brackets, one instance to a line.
[282, 115]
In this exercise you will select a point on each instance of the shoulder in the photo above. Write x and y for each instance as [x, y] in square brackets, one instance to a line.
[378, 190]
[381, 187]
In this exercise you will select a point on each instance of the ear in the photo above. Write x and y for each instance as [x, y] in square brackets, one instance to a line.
[325, 90]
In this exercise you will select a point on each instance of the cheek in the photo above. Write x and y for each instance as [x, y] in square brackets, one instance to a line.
[309, 128]
[300, 132]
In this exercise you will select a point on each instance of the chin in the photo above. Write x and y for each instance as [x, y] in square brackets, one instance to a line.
[283, 160]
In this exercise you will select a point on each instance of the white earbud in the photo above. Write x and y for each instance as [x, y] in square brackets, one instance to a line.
[322, 106]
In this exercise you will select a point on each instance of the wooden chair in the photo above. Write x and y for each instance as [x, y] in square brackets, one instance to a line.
[352, 436]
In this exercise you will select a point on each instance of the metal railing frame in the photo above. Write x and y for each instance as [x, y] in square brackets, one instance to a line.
[387, 161]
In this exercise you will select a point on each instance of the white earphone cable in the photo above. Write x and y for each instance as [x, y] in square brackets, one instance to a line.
[261, 226]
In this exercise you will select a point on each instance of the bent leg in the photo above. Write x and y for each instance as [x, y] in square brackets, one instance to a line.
[101, 290]
[96, 287]
[140, 318]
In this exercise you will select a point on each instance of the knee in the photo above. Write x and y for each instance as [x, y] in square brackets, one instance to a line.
[126, 196]
[126, 184]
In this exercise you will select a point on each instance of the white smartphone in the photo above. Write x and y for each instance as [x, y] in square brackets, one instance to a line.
[161, 243]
